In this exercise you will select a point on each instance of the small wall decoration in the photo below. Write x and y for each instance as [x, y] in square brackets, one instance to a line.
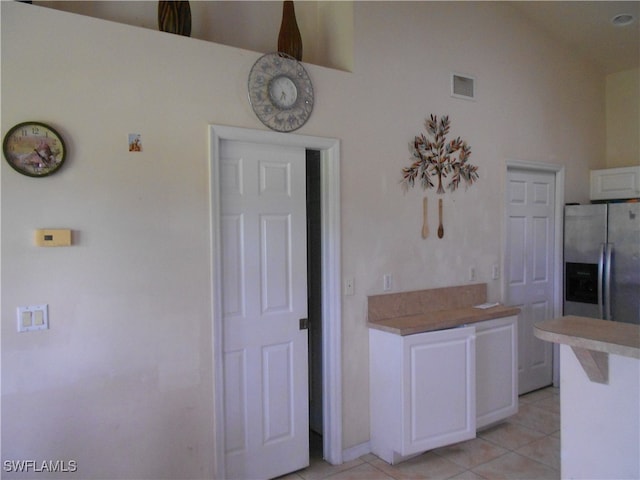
[135, 142]
[435, 156]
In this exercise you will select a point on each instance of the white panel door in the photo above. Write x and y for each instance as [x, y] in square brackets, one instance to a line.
[264, 295]
[529, 269]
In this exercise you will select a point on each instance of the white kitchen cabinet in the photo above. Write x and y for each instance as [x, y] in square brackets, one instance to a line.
[496, 370]
[615, 183]
[423, 391]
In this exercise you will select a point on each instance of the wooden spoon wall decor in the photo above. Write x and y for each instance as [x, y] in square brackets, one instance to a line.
[440, 227]
[425, 224]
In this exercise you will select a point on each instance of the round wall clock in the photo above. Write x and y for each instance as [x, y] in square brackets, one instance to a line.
[34, 149]
[280, 92]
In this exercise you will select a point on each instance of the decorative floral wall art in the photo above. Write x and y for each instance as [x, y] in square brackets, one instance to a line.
[135, 142]
[434, 156]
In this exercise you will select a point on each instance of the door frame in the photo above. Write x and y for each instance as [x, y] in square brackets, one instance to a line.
[558, 274]
[331, 274]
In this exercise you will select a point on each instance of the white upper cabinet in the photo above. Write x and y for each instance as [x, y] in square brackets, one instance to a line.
[615, 183]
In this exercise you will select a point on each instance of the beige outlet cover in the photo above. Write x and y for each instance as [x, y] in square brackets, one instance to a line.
[53, 237]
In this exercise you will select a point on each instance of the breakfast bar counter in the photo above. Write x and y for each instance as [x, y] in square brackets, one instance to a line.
[599, 396]
[592, 334]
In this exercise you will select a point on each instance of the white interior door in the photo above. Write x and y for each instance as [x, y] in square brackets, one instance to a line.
[530, 282]
[264, 296]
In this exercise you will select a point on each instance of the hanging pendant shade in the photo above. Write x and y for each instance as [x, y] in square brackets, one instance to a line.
[289, 39]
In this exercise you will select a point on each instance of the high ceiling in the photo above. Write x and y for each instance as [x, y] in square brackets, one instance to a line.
[587, 28]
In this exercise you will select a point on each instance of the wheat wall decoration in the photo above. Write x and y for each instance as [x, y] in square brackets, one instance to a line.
[435, 156]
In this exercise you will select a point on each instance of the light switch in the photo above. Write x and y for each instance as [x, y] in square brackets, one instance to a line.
[387, 280]
[495, 272]
[38, 318]
[26, 319]
[60, 237]
[33, 317]
[349, 286]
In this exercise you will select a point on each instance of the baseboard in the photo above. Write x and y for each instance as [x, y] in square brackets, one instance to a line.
[356, 452]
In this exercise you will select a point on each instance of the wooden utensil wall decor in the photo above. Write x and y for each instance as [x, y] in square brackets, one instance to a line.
[435, 156]
[425, 223]
[440, 224]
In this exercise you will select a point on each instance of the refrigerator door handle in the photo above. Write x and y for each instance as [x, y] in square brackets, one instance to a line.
[607, 282]
[600, 280]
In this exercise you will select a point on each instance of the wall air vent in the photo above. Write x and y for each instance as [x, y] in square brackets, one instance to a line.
[463, 86]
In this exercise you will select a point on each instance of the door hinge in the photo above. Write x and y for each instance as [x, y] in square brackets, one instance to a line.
[304, 324]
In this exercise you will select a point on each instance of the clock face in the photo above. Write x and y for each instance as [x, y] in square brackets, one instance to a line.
[283, 92]
[280, 92]
[34, 149]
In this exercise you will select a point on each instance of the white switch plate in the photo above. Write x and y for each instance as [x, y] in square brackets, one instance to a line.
[33, 317]
[495, 272]
[349, 286]
[387, 282]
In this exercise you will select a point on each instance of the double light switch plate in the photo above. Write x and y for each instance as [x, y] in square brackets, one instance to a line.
[33, 317]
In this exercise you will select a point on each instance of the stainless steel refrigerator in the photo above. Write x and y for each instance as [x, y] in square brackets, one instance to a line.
[602, 261]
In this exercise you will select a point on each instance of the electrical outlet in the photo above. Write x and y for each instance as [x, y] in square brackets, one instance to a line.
[349, 286]
[472, 274]
[495, 272]
[387, 281]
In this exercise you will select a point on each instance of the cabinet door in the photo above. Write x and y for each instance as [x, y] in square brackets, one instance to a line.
[615, 183]
[438, 389]
[496, 370]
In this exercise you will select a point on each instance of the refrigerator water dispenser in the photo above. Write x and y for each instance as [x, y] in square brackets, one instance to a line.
[581, 282]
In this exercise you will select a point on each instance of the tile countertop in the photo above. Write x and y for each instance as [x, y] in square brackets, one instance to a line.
[592, 334]
[440, 319]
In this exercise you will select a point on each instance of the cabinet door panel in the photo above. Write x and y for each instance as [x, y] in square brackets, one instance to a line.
[439, 389]
[496, 370]
[615, 183]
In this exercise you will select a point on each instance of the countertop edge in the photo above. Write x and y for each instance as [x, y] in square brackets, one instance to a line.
[441, 320]
[548, 330]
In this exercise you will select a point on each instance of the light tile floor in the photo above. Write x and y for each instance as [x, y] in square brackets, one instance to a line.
[526, 446]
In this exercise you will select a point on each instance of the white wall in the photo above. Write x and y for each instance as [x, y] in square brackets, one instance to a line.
[623, 118]
[122, 380]
[326, 27]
